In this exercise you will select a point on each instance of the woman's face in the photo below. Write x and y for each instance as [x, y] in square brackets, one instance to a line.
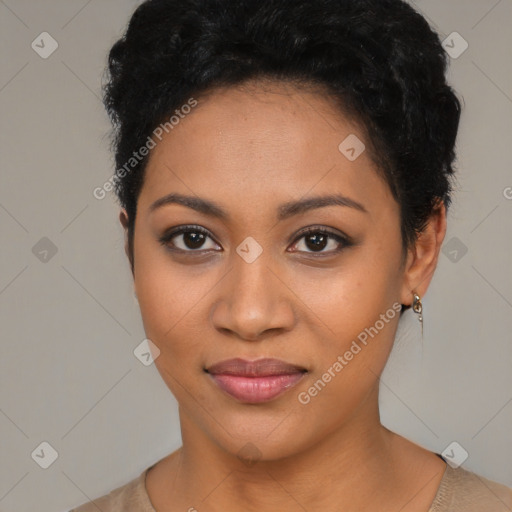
[254, 285]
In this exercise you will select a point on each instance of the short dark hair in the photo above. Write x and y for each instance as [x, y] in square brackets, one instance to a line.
[379, 60]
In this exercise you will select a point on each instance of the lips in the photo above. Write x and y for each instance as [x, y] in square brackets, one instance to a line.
[255, 381]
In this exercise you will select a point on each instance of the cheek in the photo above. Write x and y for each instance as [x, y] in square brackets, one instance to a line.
[359, 308]
[351, 297]
[169, 296]
[350, 361]
[169, 305]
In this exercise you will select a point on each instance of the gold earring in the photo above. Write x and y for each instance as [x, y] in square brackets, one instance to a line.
[417, 307]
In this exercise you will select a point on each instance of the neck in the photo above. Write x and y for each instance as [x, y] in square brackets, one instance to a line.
[350, 465]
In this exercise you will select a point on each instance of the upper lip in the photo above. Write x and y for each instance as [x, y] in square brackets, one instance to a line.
[259, 368]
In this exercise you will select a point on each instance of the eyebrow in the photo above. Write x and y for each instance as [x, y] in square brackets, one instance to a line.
[285, 211]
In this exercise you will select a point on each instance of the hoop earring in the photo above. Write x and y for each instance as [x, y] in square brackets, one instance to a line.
[417, 307]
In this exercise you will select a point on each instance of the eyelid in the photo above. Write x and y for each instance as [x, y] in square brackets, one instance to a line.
[179, 230]
[341, 238]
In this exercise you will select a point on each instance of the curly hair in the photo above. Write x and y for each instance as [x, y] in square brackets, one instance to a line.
[378, 60]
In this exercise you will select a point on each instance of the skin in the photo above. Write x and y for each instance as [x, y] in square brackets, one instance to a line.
[250, 149]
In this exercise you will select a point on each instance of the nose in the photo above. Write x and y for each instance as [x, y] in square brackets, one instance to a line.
[253, 303]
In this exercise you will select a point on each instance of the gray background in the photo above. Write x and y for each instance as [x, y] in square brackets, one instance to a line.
[69, 325]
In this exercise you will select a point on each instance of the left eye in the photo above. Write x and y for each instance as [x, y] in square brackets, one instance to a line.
[318, 239]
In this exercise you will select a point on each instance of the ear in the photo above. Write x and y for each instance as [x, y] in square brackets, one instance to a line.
[423, 256]
[123, 218]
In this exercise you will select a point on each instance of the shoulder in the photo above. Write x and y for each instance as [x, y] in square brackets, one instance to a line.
[465, 491]
[130, 497]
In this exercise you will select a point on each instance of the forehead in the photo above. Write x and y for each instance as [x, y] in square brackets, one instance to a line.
[258, 141]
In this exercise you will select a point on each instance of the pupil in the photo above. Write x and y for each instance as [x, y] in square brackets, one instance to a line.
[319, 241]
[193, 240]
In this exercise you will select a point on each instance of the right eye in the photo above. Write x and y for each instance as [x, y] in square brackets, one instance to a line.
[187, 239]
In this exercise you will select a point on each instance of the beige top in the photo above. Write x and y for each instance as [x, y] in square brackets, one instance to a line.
[459, 491]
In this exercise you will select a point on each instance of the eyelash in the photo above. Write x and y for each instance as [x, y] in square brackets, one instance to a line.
[343, 240]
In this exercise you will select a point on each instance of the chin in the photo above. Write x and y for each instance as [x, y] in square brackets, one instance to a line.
[262, 439]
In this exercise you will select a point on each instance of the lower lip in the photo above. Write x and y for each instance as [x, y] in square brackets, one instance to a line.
[256, 390]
